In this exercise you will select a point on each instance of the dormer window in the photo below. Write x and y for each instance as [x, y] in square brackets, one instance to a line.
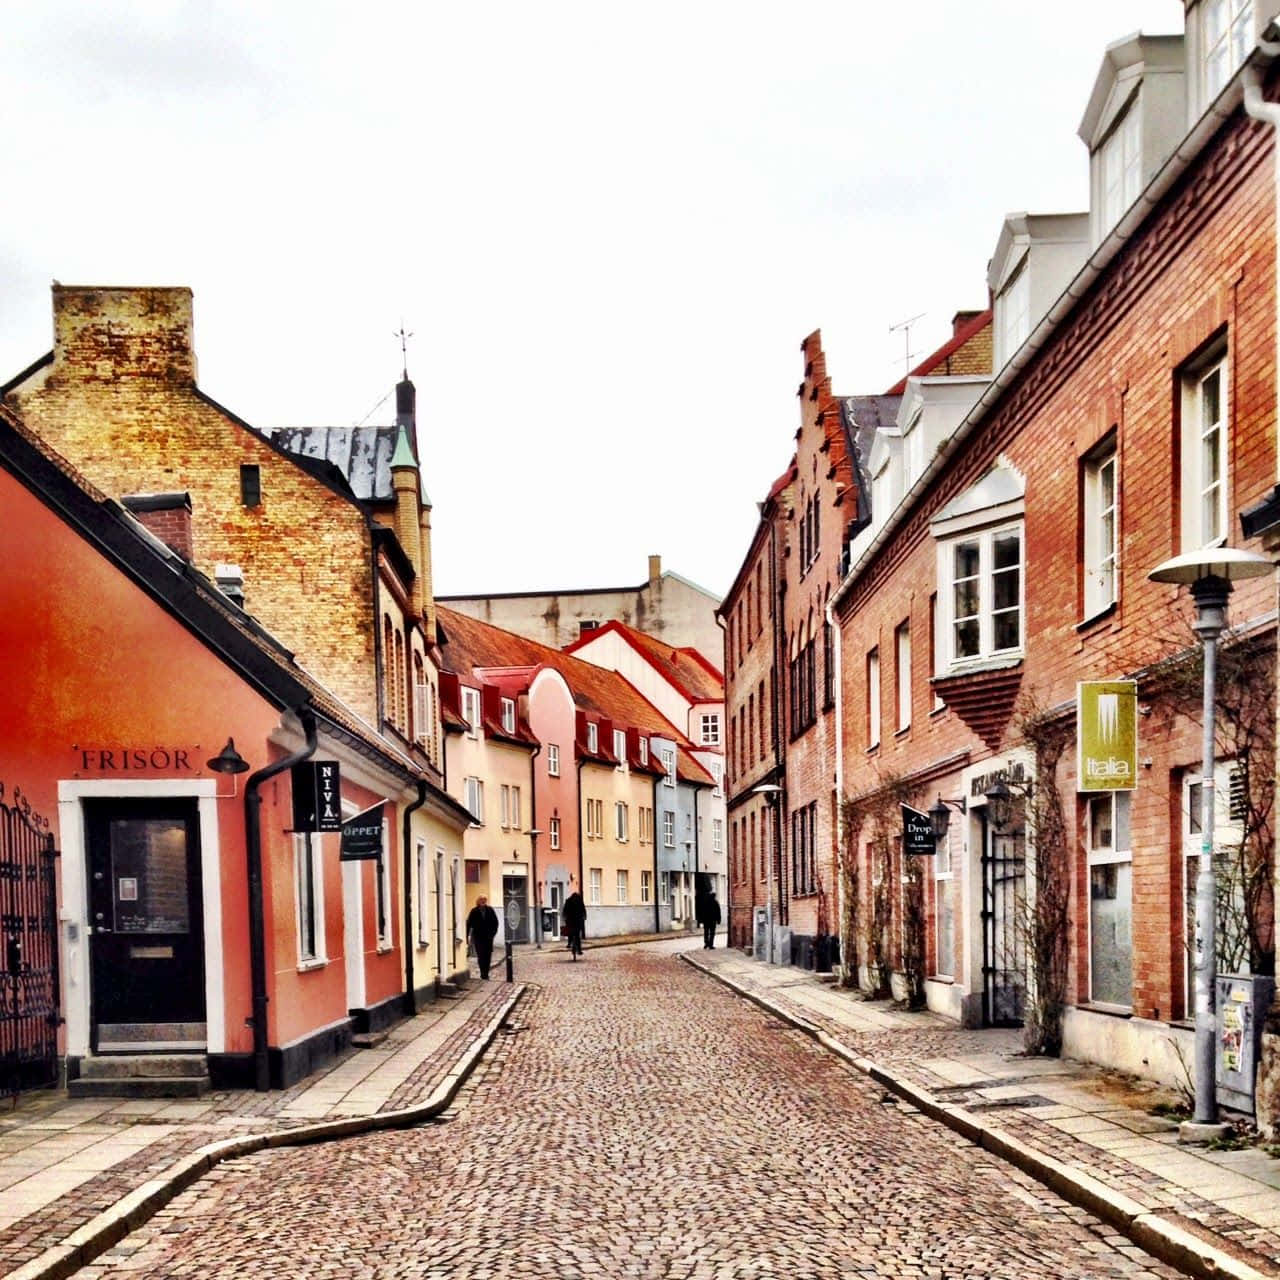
[471, 711]
[593, 737]
[644, 750]
[1120, 166]
[1227, 34]
[912, 452]
[1013, 314]
[508, 715]
[620, 746]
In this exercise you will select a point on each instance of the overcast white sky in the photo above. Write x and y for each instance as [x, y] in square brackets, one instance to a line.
[608, 227]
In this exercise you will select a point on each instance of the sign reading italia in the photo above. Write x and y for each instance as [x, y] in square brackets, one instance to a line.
[362, 835]
[317, 796]
[917, 832]
[1107, 735]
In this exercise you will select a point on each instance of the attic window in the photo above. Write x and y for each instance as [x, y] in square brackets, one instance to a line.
[508, 715]
[250, 485]
[588, 624]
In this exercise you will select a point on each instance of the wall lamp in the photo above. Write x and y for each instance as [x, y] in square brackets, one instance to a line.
[940, 815]
[1000, 805]
[229, 760]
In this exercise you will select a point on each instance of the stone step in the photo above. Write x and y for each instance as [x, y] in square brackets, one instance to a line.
[141, 1037]
[140, 1087]
[368, 1039]
[124, 1066]
[448, 991]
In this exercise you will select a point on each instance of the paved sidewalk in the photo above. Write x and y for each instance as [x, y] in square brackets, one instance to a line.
[1087, 1133]
[75, 1173]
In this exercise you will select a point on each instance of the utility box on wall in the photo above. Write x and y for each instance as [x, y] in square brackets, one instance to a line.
[1242, 1004]
[760, 933]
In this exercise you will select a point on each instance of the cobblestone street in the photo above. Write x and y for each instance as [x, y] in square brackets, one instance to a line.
[638, 1121]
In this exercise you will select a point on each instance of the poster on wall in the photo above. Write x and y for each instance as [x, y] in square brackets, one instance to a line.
[1106, 735]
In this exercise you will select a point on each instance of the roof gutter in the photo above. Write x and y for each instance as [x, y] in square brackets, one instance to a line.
[1187, 152]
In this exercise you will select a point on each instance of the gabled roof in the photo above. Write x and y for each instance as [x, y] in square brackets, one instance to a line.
[683, 668]
[479, 648]
[362, 454]
[189, 597]
[930, 363]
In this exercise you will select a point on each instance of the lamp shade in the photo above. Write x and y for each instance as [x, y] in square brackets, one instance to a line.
[229, 760]
[1218, 562]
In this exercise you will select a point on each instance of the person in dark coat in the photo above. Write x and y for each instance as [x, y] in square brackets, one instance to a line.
[482, 928]
[575, 919]
[710, 919]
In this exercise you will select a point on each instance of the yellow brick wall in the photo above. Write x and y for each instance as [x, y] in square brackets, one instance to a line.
[120, 403]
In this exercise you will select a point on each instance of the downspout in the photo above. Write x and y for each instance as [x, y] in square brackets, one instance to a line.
[257, 922]
[724, 795]
[695, 842]
[779, 708]
[379, 659]
[581, 803]
[839, 719]
[657, 909]
[533, 846]
[410, 1000]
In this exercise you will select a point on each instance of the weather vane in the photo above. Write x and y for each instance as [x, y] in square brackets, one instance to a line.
[404, 347]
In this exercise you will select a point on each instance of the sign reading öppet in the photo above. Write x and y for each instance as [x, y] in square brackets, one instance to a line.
[362, 835]
[1106, 735]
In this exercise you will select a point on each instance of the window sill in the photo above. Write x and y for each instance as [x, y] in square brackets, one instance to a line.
[1100, 615]
[307, 966]
[1110, 1010]
[873, 749]
[384, 947]
[904, 732]
[979, 666]
[941, 980]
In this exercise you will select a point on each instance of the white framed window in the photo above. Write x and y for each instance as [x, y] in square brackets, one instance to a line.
[553, 759]
[1101, 530]
[471, 711]
[593, 736]
[515, 808]
[980, 581]
[873, 698]
[384, 902]
[620, 821]
[664, 888]
[423, 717]
[1013, 314]
[506, 806]
[1204, 454]
[717, 778]
[668, 829]
[1110, 898]
[308, 885]
[623, 878]
[646, 825]
[644, 749]
[595, 877]
[669, 764]
[509, 715]
[717, 835]
[1119, 166]
[620, 747]
[945, 892]
[424, 894]
[555, 833]
[646, 886]
[913, 458]
[595, 819]
[1227, 35]
[475, 799]
[711, 730]
[902, 672]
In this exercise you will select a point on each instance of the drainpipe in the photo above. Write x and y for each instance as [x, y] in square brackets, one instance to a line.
[410, 1000]
[657, 909]
[533, 845]
[776, 594]
[1258, 108]
[839, 723]
[257, 923]
[580, 804]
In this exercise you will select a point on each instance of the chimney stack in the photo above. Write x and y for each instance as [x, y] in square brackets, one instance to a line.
[655, 569]
[229, 579]
[103, 335]
[166, 516]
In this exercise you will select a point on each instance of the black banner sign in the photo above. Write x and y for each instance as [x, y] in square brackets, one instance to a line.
[317, 796]
[917, 832]
[362, 835]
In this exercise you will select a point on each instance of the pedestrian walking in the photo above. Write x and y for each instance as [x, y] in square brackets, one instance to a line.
[482, 928]
[710, 919]
[575, 919]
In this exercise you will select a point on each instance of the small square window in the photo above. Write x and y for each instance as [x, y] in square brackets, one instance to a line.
[250, 484]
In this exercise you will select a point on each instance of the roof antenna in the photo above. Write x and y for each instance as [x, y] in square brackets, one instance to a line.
[905, 326]
[404, 349]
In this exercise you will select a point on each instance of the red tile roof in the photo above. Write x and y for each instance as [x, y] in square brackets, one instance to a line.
[686, 668]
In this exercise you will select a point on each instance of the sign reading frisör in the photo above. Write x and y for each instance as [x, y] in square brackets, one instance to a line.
[362, 835]
[917, 832]
[1106, 735]
[317, 796]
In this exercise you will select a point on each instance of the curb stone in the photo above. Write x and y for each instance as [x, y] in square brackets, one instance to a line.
[1165, 1240]
[128, 1213]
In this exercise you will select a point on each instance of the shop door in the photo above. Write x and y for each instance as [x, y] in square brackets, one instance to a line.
[1004, 911]
[516, 889]
[147, 925]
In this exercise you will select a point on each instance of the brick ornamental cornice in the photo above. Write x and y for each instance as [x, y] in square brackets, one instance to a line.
[1233, 155]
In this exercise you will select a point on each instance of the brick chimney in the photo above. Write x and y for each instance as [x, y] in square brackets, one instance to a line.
[655, 569]
[166, 516]
[105, 334]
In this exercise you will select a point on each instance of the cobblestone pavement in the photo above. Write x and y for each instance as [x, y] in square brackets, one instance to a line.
[638, 1121]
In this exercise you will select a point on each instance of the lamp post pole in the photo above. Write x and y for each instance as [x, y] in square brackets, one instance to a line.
[1209, 572]
[773, 794]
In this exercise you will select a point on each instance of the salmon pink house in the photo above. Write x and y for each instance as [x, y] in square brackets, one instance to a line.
[159, 742]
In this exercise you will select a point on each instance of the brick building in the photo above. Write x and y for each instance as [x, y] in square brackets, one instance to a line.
[1132, 418]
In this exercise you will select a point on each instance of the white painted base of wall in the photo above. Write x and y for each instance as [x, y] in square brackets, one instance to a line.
[1136, 1046]
[946, 998]
[610, 922]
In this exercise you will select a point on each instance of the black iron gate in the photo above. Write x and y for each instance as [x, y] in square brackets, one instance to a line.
[1004, 950]
[29, 1015]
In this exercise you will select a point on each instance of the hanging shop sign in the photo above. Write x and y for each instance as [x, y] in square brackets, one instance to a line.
[917, 832]
[317, 796]
[362, 834]
[1106, 735]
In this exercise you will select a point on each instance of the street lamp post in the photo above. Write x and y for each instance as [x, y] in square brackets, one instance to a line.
[773, 794]
[533, 833]
[1209, 573]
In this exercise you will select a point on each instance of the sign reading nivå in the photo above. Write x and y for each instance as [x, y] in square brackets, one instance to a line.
[317, 796]
[1106, 735]
[917, 832]
[362, 835]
